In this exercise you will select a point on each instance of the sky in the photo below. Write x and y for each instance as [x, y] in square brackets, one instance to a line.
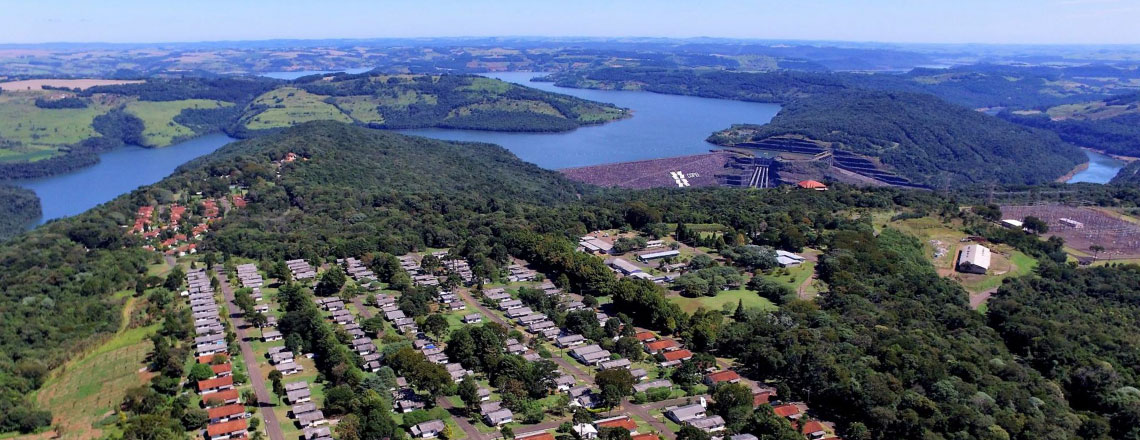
[895, 21]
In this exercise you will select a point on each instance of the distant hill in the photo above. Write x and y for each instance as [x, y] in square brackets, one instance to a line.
[1129, 175]
[926, 139]
[417, 101]
[1110, 124]
[44, 132]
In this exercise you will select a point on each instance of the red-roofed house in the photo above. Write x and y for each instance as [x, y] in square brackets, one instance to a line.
[762, 397]
[222, 369]
[219, 398]
[210, 357]
[662, 345]
[617, 422]
[812, 184]
[675, 357]
[728, 376]
[227, 430]
[540, 435]
[214, 385]
[646, 336]
[226, 413]
[787, 411]
[647, 436]
[813, 430]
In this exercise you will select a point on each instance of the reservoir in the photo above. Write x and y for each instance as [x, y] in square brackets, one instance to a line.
[661, 126]
[118, 172]
[1102, 168]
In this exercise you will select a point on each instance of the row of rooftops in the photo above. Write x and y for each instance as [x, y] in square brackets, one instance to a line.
[301, 269]
[227, 417]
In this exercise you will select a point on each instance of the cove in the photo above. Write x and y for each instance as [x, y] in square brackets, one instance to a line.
[661, 126]
[118, 172]
[1102, 168]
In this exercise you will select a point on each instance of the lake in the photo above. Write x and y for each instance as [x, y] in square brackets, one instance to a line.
[661, 126]
[1102, 168]
[118, 172]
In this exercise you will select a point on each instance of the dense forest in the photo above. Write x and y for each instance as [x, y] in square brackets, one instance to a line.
[926, 139]
[1117, 135]
[1129, 175]
[890, 351]
[1078, 327]
[19, 207]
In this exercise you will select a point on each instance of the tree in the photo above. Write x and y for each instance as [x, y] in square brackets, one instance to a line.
[174, 278]
[690, 432]
[331, 282]
[469, 393]
[348, 428]
[200, 372]
[619, 379]
[1097, 249]
[1035, 225]
[436, 325]
[733, 403]
[194, 419]
[988, 212]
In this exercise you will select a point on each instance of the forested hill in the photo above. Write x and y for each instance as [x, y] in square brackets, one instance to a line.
[350, 190]
[18, 208]
[416, 101]
[1129, 175]
[926, 139]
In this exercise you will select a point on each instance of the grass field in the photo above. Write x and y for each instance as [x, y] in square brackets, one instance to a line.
[160, 129]
[86, 390]
[289, 106]
[42, 131]
[361, 108]
[750, 299]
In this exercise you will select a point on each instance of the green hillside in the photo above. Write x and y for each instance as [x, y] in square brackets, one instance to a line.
[416, 101]
[18, 208]
[926, 139]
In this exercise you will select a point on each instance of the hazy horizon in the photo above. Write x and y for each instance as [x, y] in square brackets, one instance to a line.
[1000, 22]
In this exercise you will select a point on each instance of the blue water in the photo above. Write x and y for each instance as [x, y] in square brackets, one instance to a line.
[299, 73]
[1101, 169]
[661, 126]
[118, 172]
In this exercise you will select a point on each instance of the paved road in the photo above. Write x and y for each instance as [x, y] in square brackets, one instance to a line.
[251, 362]
[460, 418]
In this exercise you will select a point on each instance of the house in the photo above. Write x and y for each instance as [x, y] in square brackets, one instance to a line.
[272, 335]
[409, 405]
[590, 354]
[499, 417]
[763, 396]
[227, 430]
[222, 369]
[531, 318]
[428, 429]
[289, 368]
[1013, 224]
[298, 396]
[595, 245]
[518, 312]
[311, 418]
[510, 304]
[682, 414]
[303, 408]
[564, 382]
[813, 430]
[224, 397]
[226, 413]
[974, 258]
[639, 374]
[625, 267]
[645, 336]
[658, 255]
[615, 363]
[489, 407]
[726, 376]
[788, 259]
[787, 411]
[708, 424]
[394, 315]
[473, 318]
[661, 345]
[617, 422]
[650, 436]
[317, 433]
[812, 185]
[537, 435]
[675, 357]
[659, 383]
[214, 385]
[484, 394]
[541, 326]
[570, 341]
[281, 357]
[585, 431]
[516, 348]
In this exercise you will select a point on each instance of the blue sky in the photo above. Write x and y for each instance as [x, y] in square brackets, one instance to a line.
[908, 21]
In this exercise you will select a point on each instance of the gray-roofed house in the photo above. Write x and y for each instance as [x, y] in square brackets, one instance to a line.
[682, 414]
[428, 429]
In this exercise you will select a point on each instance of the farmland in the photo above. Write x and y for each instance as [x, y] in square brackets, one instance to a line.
[158, 118]
[38, 84]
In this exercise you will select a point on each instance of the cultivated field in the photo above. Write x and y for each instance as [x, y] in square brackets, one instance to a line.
[290, 106]
[1119, 237]
[37, 84]
[159, 127]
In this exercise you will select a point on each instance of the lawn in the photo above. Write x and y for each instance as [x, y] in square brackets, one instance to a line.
[86, 390]
[750, 299]
[290, 106]
[159, 128]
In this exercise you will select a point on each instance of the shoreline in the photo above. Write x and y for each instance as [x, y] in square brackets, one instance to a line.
[1072, 173]
[1127, 159]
